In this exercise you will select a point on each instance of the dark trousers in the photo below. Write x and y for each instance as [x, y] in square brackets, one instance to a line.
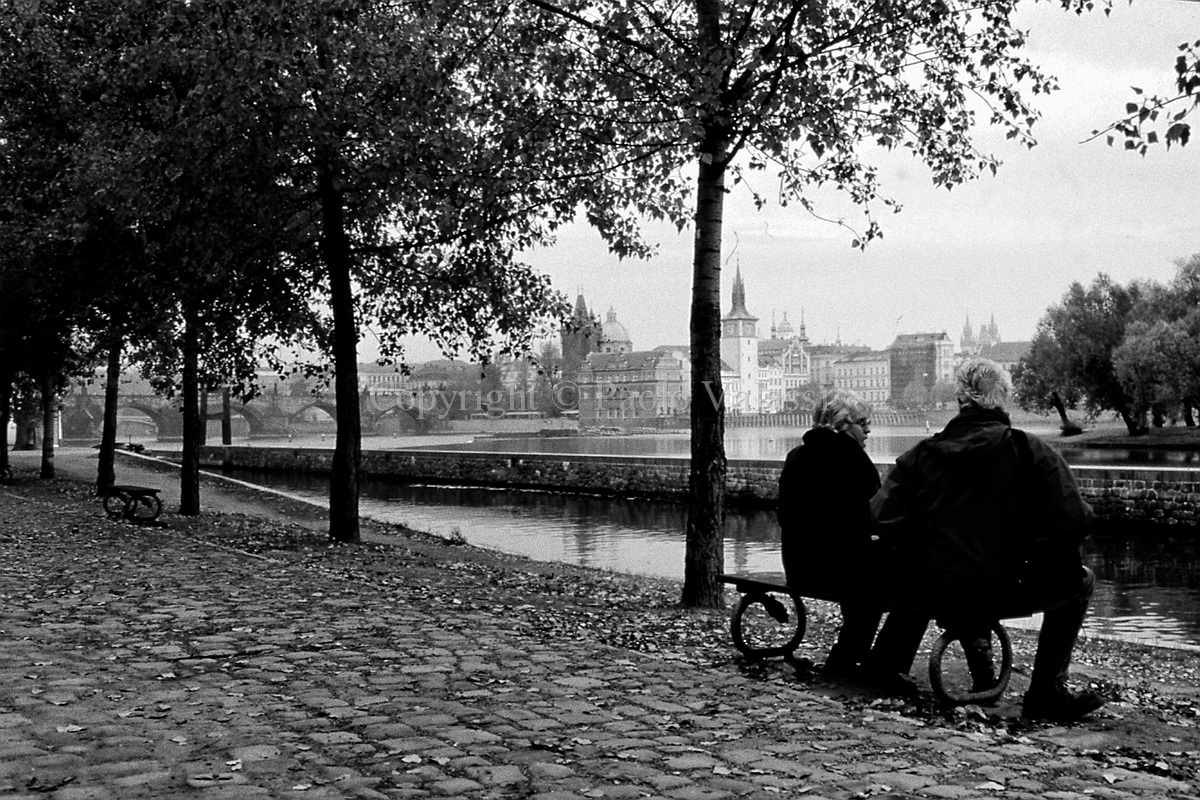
[898, 640]
[853, 646]
[1056, 641]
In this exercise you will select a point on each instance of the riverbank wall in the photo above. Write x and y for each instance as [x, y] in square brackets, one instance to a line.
[1167, 495]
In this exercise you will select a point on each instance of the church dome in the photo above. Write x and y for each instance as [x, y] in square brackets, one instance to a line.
[615, 337]
[785, 330]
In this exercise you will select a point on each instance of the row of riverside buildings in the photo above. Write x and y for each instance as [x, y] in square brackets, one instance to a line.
[780, 373]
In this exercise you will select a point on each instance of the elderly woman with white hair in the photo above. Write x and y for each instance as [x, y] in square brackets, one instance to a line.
[824, 513]
[964, 511]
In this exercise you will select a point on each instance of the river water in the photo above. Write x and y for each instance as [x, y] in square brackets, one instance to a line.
[1149, 587]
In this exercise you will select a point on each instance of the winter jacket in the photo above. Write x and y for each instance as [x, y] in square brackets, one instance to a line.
[959, 512]
[824, 510]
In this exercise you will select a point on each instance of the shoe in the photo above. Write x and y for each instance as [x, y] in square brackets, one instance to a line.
[835, 667]
[1059, 704]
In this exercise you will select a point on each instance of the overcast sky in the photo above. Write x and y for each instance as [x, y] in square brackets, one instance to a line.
[1008, 245]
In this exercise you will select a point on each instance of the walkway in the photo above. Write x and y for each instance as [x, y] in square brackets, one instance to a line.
[172, 662]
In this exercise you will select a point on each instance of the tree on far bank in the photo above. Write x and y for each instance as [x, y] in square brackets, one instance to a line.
[1079, 336]
[1158, 362]
[1041, 381]
[1156, 365]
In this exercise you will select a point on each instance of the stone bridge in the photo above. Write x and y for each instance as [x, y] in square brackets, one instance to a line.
[271, 414]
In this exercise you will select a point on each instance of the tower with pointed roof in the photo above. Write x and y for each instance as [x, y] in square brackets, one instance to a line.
[990, 335]
[739, 350]
[968, 344]
[580, 336]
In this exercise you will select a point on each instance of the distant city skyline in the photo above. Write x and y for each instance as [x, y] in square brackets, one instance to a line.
[1008, 245]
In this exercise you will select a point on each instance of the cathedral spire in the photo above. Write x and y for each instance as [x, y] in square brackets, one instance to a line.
[739, 298]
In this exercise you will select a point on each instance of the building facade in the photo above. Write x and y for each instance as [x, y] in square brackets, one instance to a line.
[1007, 354]
[917, 362]
[868, 373]
[639, 386]
[822, 358]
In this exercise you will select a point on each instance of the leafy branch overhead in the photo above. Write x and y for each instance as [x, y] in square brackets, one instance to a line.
[1145, 117]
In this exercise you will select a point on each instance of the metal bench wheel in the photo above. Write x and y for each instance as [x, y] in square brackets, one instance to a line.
[956, 697]
[114, 505]
[778, 611]
[145, 507]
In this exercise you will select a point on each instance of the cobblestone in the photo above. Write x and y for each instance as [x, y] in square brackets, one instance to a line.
[137, 662]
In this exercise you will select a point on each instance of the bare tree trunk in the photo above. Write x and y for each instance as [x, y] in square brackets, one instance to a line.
[106, 474]
[704, 559]
[189, 473]
[347, 452]
[1135, 424]
[1057, 402]
[48, 400]
[1188, 419]
[27, 431]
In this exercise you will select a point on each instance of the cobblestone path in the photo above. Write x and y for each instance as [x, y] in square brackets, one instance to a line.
[142, 662]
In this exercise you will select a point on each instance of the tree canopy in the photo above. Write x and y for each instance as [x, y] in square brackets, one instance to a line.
[680, 102]
[1132, 350]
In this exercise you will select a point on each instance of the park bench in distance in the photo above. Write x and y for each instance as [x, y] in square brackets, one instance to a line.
[763, 590]
[134, 503]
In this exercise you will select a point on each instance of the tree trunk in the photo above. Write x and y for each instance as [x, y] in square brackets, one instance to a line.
[226, 419]
[48, 399]
[189, 472]
[347, 452]
[27, 431]
[1136, 425]
[1057, 402]
[1188, 419]
[1157, 415]
[106, 473]
[704, 559]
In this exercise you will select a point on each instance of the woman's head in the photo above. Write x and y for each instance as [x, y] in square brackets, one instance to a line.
[983, 383]
[843, 410]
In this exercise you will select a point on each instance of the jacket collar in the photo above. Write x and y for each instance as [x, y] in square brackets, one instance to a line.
[974, 415]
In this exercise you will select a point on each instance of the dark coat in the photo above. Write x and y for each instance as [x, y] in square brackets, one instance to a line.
[824, 510]
[959, 512]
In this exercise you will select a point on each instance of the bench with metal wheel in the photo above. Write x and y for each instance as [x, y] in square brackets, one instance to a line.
[769, 621]
[134, 503]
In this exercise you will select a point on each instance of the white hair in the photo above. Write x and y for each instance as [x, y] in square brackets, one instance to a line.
[984, 383]
[838, 407]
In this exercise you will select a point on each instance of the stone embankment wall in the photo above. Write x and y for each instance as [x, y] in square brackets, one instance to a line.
[1165, 495]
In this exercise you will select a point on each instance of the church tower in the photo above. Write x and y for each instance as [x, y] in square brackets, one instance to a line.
[580, 336]
[967, 343]
[739, 350]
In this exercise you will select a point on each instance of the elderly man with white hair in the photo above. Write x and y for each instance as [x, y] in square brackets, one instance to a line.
[984, 519]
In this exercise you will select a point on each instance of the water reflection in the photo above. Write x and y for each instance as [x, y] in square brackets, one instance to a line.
[755, 443]
[773, 444]
[1148, 588]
